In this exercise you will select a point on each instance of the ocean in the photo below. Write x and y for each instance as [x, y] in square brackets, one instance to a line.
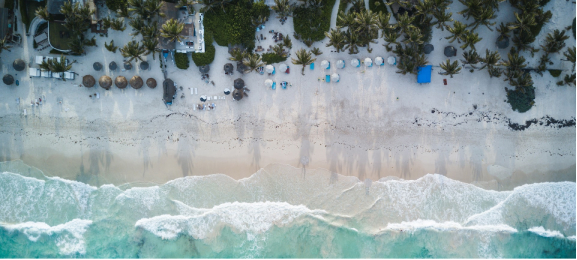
[282, 212]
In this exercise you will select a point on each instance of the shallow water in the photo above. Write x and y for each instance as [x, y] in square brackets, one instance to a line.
[281, 211]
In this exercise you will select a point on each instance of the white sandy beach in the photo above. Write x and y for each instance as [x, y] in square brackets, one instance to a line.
[354, 127]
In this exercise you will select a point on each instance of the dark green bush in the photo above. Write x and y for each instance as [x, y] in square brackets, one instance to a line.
[9, 4]
[555, 73]
[520, 101]
[312, 23]
[573, 28]
[23, 13]
[271, 57]
[201, 59]
[380, 7]
[114, 5]
[181, 60]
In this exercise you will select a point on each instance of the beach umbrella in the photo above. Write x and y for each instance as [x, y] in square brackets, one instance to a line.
[428, 48]
[335, 77]
[269, 68]
[237, 94]
[228, 68]
[112, 66]
[121, 82]
[368, 62]
[88, 81]
[136, 82]
[341, 64]
[503, 42]
[226, 91]
[355, 62]
[392, 60]
[240, 67]
[144, 65]
[379, 61]
[325, 64]
[238, 83]
[202, 98]
[268, 83]
[282, 67]
[19, 65]
[8, 79]
[97, 66]
[105, 82]
[151, 83]
[204, 69]
[127, 66]
[450, 51]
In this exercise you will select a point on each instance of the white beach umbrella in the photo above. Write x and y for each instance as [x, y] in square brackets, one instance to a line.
[268, 83]
[368, 62]
[392, 60]
[269, 69]
[355, 62]
[341, 64]
[335, 77]
[325, 64]
[282, 67]
[379, 61]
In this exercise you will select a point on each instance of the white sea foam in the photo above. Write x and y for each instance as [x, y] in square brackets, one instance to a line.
[69, 235]
[545, 232]
[446, 226]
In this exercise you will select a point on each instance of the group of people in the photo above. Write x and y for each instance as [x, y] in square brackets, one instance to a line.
[283, 20]
[204, 106]
[277, 37]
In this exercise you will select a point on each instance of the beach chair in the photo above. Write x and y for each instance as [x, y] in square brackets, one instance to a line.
[312, 66]
[283, 84]
[273, 86]
[328, 78]
[288, 69]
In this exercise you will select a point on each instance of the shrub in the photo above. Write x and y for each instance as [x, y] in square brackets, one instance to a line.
[23, 12]
[520, 101]
[201, 59]
[114, 5]
[181, 60]
[378, 6]
[9, 4]
[555, 73]
[271, 57]
[311, 23]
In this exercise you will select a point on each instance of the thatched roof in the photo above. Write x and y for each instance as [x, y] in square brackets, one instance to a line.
[450, 51]
[19, 65]
[144, 65]
[238, 83]
[151, 83]
[136, 82]
[240, 67]
[228, 67]
[8, 79]
[429, 48]
[237, 94]
[88, 81]
[204, 69]
[105, 82]
[97, 66]
[121, 82]
[112, 66]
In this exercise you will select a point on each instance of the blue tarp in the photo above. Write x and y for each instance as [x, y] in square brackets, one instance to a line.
[424, 75]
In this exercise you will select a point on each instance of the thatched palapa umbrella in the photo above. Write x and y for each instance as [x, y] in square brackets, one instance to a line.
[136, 82]
[112, 66]
[450, 51]
[19, 65]
[151, 83]
[204, 69]
[8, 79]
[228, 68]
[144, 65]
[238, 83]
[127, 66]
[105, 82]
[237, 94]
[121, 82]
[428, 48]
[88, 81]
[240, 67]
[97, 66]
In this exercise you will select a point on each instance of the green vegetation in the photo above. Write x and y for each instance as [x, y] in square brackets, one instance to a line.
[4, 45]
[377, 6]
[56, 41]
[235, 23]
[312, 20]
[304, 58]
[201, 59]
[57, 66]
[521, 101]
[115, 5]
[9, 4]
[271, 57]
[573, 28]
[555, 73]
[181, 60]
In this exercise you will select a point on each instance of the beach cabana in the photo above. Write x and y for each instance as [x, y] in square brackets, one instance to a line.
[237, 94]
[368, 62]
[105, 82]
[121, 82]
[8, 79]
[97, 66]
[392, 60]
[19, 65]
[326, 64]
[88, 81]
[340, 64]
[355, 63]
[151, 83]
[450, 51]
[268, 83]
[270, 69]
[136, 82]
[144, 65]
[127, 66]
[228, 68]
[379, 61]
[238, 83]
[169, 90]
[283, 67]
[428, 48]
[424, 74]
[204, 69]
[112, 66]
[335, 77]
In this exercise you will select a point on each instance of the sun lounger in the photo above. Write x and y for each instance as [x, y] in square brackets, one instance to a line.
[215, 98]
[195, 91]
[192, 91]
[312, 66]
[273, 85]
[328, 78]
[208, 98]
[283, 84]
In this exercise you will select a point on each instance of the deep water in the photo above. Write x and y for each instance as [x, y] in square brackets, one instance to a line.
[280, 212]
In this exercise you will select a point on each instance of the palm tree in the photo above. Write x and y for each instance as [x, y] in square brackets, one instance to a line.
[106, 22]
[42, 13]
[118, 24]
[523, 42]
[503, 31]
[471, 7]
[304, 58]
[237, 55]
[132, 50]
[458, 30]
[145, 8]
[515, 62]
[252, 62]
[442, 19]
[414, 36]
[522, 82]
[278, 50]
[316, 51]
[56, 66]
[402, 3]
[391, 38]
[523, 22]
[186, 3]
[110, 47]
[469, 40]
[570, 55]
[490, 60]
[76, 45]
[405, 21]
[352, 42]
[210, 4]
[283, 8]
[171, 30]
[287, 42]
[483, 18]
[150, 44]
[383, 21]
[336, 39]
[258, 21]
[555, 42]
[3, 44]
[450, 68]
[424, 7]
[150, 30]
[495, 72]
[471, 58]
[137, 23]
[345, 19]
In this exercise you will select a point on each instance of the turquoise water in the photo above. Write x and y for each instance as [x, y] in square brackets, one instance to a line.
[282, 212]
